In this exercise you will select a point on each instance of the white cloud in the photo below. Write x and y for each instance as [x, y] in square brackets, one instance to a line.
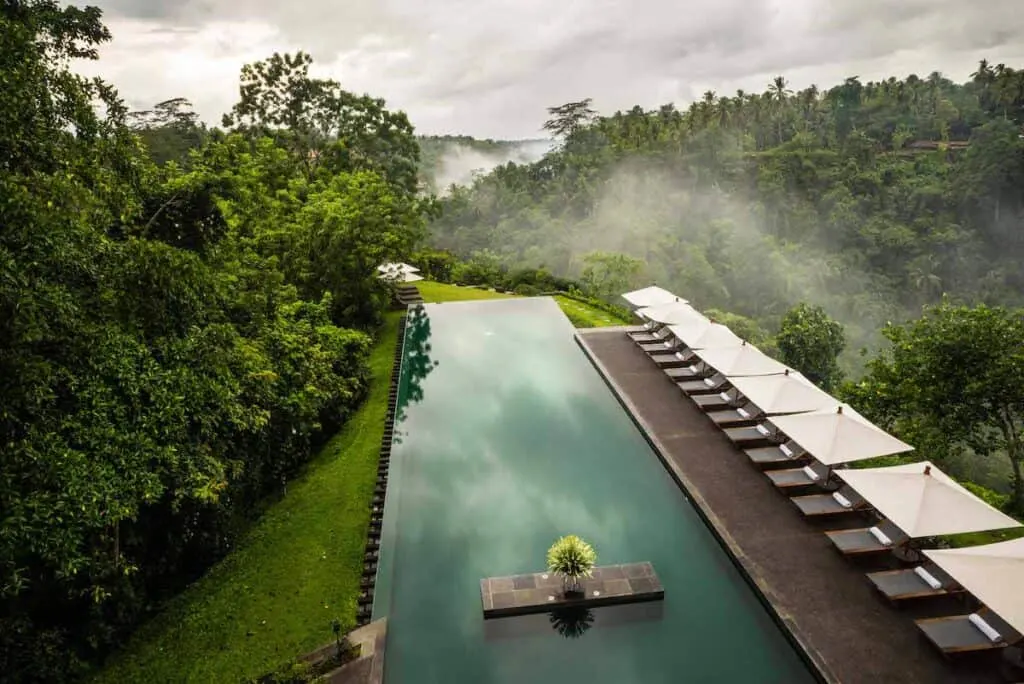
[490, 67]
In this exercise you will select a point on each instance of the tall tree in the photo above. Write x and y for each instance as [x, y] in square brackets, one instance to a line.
[325, 126]
[567, 118]
[170, 130]
[810, 341]
[955, 378]
[608, 274]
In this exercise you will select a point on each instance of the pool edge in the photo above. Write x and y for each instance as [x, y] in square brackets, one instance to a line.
[817, 666]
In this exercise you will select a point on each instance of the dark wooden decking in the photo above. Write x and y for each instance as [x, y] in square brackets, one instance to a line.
[541, 592]
[827, 604]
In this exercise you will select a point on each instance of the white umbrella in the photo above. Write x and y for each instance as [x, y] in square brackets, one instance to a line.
[790, 392]
[745, 359]
[651, 296]
[703, 334]
[923, 501]
[672, 313]
[400, 276]
[397, 266]
[992, 573]
[838, 435]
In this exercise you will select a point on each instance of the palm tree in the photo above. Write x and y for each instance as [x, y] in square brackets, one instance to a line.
[778, 93]
[984, 73]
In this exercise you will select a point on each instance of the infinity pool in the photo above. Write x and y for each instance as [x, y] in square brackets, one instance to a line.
[508, 438]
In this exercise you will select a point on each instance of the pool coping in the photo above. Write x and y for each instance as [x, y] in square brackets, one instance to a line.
[816, 664]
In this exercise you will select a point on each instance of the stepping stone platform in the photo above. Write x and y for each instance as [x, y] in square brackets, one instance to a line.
[542, 592]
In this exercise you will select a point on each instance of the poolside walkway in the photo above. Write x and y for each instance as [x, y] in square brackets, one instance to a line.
[829, 606]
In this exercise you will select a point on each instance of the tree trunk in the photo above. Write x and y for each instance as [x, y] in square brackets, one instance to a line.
[1018, 482]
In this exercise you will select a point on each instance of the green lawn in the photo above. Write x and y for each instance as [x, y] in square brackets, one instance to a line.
[274, 597]
[584, 316]
[581, 315]
[442, 292]
[299, 567]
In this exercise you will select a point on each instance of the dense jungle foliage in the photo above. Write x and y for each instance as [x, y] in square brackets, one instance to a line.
[175, 340]
[186, 311]
[869, 199]
[885, 218]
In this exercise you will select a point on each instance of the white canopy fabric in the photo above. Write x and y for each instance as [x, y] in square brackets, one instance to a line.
[651, 296]
[397, 266]
[703, 334]
[781, 394]
[745, 359]
[399, 272]
[838, 434]
[923, 501]
[992, 573]
[672, 313]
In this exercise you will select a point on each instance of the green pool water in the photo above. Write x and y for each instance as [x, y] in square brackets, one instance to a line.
[506, 439]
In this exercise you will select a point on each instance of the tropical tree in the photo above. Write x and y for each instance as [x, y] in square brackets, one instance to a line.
[955, 378]
[810, 341]
[606, 274]
[573, 559]
[327, 128]
[567, 118]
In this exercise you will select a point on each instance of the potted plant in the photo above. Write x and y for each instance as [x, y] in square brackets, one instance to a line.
[573, 559]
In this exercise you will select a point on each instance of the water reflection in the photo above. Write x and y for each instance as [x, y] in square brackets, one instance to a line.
[572, 623]
[416, 365]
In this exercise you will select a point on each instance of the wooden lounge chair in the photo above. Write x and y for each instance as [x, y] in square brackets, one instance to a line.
[647, 328]
[677, 358]
[752, 434]
[787, 453]
[668, 346]
[867, 540]
[788, 479]
[713, 384]
[964, 634]
[836, 503]
[659, 335]
[913, 583]
[744, 415]
[715, 402]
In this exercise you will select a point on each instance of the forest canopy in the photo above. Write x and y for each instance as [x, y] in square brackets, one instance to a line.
[870, 199]
[185, 316]
[186, 311]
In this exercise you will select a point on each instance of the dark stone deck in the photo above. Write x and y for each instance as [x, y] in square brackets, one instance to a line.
[825, 602]
[542, 592]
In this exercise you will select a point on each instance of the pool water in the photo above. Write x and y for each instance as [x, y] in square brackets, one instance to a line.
[506, 439]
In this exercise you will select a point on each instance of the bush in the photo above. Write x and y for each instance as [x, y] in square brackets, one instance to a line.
[572, 558]
[992, 498]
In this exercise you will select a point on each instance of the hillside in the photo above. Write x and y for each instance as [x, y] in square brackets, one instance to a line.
[870, 199]
[448, 159]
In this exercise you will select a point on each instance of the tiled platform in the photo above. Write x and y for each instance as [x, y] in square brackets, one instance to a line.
[541, 592]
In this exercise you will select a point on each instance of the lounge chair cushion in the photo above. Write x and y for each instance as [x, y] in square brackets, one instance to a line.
[842, 500]
[928, 577]
[809, 471]
[766, 432]
[743, 413]
[988, 630]
[879, 535]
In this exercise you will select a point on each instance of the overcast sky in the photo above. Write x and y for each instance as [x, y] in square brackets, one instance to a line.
[489, 68]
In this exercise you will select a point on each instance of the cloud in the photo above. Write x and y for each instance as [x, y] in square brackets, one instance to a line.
[490, 68]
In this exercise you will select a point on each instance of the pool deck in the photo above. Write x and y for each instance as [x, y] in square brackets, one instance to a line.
[541, 592]
[829, 607]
